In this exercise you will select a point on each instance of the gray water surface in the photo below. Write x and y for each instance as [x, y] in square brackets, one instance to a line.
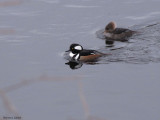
[35, 82]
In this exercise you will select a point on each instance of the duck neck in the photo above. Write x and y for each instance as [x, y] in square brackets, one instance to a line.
[75, 56]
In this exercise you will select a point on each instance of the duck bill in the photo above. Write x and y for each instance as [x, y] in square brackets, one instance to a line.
[67, 51]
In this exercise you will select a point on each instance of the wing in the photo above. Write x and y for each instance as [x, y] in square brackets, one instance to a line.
[120, 30]
[88, 52]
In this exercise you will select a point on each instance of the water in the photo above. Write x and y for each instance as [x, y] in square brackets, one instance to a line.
[141, 48]
[37, 84]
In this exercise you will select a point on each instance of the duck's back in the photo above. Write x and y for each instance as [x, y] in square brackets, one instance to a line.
[121, 34]
[121, 30]
[88, 52]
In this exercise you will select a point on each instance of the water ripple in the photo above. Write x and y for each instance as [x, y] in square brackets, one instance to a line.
[149, 15]
[80, 6]
[140, 49]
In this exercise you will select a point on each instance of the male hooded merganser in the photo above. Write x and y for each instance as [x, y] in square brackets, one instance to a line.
[77, 53]
[111, 32]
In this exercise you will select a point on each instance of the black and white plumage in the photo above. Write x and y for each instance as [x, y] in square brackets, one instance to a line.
[76, 52]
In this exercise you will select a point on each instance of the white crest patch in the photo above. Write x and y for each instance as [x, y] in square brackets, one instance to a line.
[78, 47]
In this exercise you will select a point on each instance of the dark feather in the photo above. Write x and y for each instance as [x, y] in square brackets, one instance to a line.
[87, 52]
[120, 30]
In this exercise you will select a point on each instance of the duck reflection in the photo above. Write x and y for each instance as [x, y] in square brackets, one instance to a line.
[111, 33]
[77, 56]
[74, 64]
[119, 34]
[78, 64]
[109, 42]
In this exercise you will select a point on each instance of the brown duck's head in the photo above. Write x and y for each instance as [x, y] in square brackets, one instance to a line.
[110, 27]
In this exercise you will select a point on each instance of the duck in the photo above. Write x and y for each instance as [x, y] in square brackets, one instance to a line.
[113, 33]
[77, 53]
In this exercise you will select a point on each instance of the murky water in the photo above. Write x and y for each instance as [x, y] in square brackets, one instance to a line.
[35, 82]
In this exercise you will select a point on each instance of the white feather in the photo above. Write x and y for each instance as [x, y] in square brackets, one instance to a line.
[77, 56]
[71, 54]
[78, 47]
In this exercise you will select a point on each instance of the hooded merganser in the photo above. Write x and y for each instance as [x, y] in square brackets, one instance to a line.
[77, 53]
[111, 32]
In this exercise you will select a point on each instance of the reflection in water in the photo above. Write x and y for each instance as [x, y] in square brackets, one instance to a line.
[12, 110]
[112, 32]
[78, 64]
[141, 48]
[83, 100]
[10, 3]
[6, 31]
[74, 65]
[7, 103]
[76, 56]
[109, 42]
[10, 107]
[85, 104]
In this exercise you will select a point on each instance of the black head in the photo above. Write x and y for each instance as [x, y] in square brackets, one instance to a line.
[75, 48]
